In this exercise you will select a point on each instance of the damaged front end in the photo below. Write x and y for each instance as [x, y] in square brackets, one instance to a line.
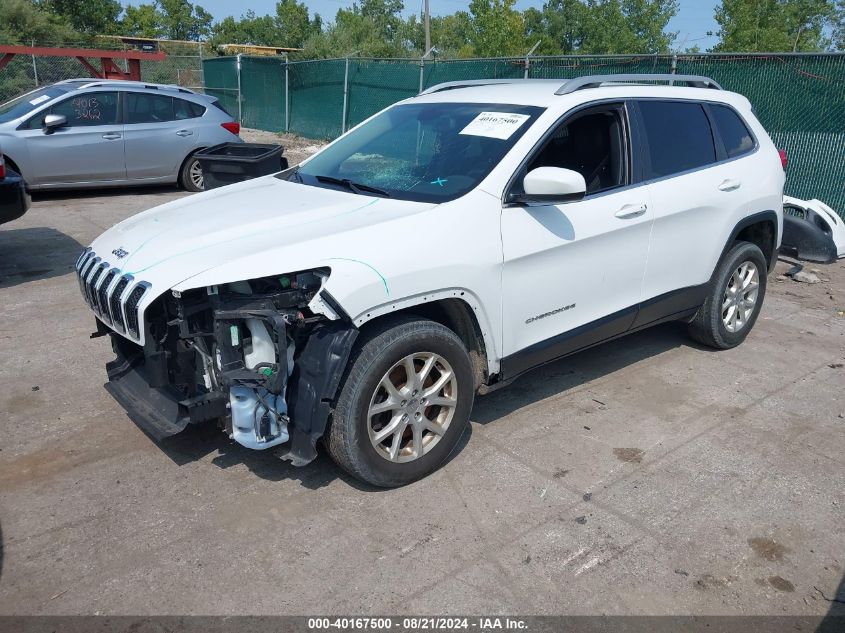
[262, 357]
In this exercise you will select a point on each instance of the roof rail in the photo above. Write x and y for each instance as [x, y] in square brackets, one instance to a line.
[98, 83]
[580, 83]
[467, 83]
[595, 81]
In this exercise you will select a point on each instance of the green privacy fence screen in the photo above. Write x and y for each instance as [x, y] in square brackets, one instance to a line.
[799, 98]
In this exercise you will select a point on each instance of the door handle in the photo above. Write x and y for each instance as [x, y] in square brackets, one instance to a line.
[111, 136]
[631, 211]
[730, 184]
[184, 133]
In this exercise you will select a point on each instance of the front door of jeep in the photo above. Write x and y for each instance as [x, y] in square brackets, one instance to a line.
[573, 272]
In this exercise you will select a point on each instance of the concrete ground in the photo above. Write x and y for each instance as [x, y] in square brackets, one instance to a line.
[648, 475]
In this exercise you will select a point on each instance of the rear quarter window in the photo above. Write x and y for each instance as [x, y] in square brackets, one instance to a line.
[733, 130]
[216, 103]
[187, 109]
[678, 136]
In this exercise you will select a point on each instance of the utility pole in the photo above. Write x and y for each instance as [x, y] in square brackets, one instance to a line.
[528, 57]
[34, 67]
[427, 27]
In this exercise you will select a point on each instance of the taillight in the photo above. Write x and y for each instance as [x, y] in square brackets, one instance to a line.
[783, 160]
[2, 167]
[233, 126]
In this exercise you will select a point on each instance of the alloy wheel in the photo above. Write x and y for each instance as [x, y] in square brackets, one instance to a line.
[195, 174]
[412, 407]
[740, 296]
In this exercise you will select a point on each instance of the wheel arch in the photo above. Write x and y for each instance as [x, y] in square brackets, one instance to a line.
[453, 309]
[186, 159]
[759, 228]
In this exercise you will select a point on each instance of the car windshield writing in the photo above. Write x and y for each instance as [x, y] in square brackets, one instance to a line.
[430, 152]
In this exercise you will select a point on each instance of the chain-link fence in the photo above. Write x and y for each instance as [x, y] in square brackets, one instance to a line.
[183, 66]
[800, 98]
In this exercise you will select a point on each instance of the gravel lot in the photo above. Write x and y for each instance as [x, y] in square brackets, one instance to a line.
[296, 147]
[644, 476]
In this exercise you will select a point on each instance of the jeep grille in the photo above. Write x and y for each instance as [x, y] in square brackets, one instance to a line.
[108, 293]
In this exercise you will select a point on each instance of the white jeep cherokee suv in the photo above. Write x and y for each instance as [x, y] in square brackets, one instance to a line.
[440, 249]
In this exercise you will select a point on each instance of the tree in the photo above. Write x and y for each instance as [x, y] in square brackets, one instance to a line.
[497, 29]
[601, 26]
[181, 20]
[372, 28]
[805, 22]
[170, 19]
[293, 23]
[560, 26]
[773, 25]
[647, 21]
[22, 21]
[141, 21]
[839, 32]
[93, 17]
[450, 34]
[249, 29]
[615, 27]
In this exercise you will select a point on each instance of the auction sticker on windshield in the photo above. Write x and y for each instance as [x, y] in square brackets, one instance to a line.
[495, 124]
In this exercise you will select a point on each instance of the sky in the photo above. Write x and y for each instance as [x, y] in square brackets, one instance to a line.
[693, 21]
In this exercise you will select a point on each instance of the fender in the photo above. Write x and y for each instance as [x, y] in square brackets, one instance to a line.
[769, 216]
[462, 294]
[182, 162]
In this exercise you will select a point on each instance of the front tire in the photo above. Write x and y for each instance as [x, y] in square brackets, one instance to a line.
[404, 404]
[190, 176]
[734, 299]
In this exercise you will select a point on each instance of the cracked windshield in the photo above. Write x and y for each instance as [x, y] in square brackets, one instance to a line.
[431, 152]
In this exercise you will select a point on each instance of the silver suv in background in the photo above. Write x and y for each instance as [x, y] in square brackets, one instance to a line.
[98, 133]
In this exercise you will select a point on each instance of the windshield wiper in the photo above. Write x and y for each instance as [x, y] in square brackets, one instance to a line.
[354, 187]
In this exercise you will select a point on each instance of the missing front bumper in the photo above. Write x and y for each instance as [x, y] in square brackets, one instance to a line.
[159, 412]
[162, 411]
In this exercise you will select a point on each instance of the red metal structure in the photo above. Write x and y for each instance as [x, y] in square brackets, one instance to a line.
[109, 70]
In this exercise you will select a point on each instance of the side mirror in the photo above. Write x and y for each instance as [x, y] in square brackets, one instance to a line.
[552, 185]
[52, 122]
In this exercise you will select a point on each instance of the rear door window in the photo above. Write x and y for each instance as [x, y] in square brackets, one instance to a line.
[678, 136]
[735, 134]
[148, 108]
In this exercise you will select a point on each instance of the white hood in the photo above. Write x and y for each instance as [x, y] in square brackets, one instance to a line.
[252, 229]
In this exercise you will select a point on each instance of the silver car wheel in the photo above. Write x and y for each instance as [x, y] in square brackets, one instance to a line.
[412, 407]
[740, 296]
[195, 174]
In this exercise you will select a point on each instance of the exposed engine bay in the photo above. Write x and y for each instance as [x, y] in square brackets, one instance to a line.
[251, 355]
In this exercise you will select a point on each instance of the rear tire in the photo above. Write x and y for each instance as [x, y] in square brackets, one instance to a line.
[388, 428]
[190, 176]
[734, 299]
